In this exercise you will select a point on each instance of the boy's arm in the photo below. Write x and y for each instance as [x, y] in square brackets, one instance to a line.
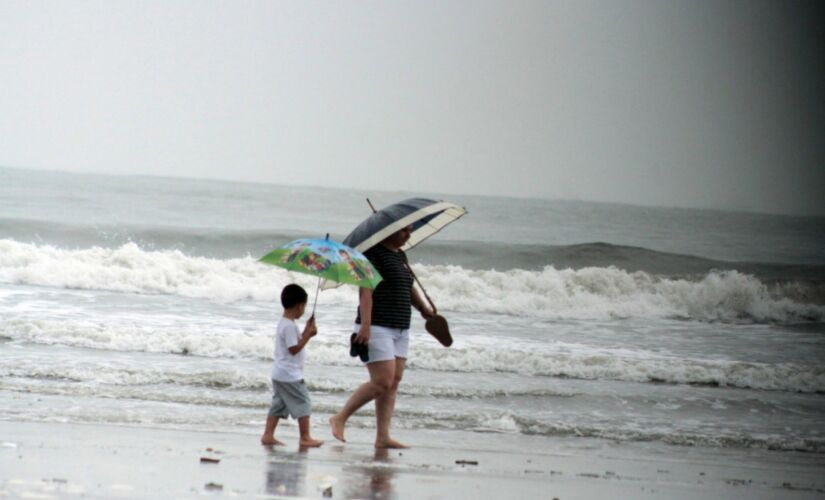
[310, 330]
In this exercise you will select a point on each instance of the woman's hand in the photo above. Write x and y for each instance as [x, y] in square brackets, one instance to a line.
[363, 336]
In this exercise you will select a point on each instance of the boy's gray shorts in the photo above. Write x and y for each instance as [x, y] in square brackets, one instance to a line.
[289, 398]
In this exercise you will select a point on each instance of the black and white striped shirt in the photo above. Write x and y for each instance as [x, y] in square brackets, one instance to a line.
[392, 298]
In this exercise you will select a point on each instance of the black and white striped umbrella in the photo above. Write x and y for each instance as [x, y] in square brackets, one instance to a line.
[426, 216]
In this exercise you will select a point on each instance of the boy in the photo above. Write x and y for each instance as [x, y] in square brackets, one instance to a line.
[290, 395]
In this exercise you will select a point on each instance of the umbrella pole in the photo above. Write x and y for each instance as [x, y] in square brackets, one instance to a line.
[315, 302]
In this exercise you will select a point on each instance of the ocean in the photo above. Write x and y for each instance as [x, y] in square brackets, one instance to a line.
[139, 301]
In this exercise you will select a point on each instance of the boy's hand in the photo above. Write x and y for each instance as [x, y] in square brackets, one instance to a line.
[310, 330]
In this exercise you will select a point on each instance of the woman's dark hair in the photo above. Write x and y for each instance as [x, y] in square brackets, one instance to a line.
[292, 295]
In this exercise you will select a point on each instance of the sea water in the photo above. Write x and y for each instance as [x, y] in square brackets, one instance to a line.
[140, 301]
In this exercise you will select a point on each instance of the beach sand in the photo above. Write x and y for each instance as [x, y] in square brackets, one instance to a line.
[60, 460]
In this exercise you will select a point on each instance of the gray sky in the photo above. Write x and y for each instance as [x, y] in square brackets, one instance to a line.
[696, 103]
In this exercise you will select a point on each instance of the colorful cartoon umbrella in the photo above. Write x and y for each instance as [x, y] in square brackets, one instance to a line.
[327, 259]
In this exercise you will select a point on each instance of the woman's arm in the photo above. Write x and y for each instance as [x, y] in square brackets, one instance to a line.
[420, 304]
[365, 308]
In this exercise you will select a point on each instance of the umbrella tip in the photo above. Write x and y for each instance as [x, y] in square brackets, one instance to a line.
[370, 204]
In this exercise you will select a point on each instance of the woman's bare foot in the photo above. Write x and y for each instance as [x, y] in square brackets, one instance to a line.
[270, 441]
[337, 428]
[389, 443]
[310, 443]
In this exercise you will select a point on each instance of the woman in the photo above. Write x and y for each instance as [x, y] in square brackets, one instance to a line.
[383, 324]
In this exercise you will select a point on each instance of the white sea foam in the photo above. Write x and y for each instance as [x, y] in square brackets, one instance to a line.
[717, 437]
[779, 376]
[133, 376]
[590, 293]
[588, 365]
[504, 422]
[88, 379]
[131, 269]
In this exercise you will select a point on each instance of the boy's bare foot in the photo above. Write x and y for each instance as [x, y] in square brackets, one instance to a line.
[337, 428]
[266, 441]
[310, 443]
[389, 443]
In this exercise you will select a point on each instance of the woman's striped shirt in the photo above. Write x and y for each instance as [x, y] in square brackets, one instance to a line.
[391, 299]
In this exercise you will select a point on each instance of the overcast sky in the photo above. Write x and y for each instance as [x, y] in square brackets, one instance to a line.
[714, 104]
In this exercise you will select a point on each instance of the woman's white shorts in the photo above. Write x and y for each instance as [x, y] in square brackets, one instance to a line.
[387, 343]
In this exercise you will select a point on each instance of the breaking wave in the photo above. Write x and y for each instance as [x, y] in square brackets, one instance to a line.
[586, 293]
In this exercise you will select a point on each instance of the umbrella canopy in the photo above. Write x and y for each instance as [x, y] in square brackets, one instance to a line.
[426, 216]
[326, 259]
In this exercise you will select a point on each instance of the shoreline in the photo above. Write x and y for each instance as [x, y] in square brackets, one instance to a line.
[71, 460]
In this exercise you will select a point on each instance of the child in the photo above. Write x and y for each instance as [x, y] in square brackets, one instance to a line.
[290, 395]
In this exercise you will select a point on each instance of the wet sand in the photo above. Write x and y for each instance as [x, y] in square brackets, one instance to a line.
[57, 460]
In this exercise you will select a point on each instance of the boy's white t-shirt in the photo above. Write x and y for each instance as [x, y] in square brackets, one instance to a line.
[287, 367]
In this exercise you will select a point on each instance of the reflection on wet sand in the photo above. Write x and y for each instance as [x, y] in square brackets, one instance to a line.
[286, 473]
[371, 480]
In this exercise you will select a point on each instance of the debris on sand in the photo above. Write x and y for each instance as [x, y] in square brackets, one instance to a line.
[466, 462]
[325, 486]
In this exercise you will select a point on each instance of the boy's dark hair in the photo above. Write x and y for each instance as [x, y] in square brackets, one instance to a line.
[292, 295]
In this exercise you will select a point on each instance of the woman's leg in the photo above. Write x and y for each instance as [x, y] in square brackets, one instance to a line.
[384, 408]
[382, 375]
